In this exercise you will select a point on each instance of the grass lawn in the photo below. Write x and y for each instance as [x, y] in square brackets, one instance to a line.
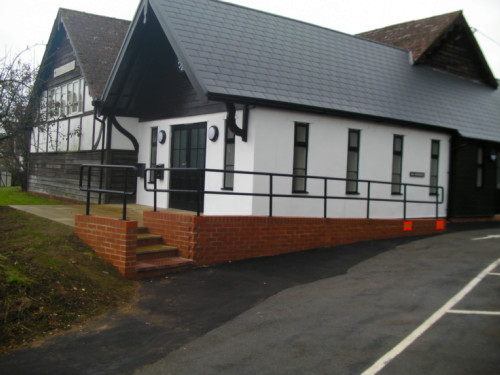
[14, 196]
[50, 280]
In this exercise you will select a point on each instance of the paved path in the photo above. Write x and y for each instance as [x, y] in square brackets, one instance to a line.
[330, 311]
[65, 214]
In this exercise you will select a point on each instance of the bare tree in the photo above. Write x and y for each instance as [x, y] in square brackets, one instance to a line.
[18, 112]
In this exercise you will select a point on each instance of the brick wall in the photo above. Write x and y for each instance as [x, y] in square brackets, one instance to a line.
[215, 239]
[112, 239]
[176, 229]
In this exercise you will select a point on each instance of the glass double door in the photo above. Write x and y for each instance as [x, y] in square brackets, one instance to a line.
[188, 151]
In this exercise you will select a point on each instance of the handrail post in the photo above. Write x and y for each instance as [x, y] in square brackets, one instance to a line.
[155, 192]
[271, 195]
[89, 174]
[325, 199]
[198, 184]
[368, 200]
[124, 215]
[404, 198]
[437, 204]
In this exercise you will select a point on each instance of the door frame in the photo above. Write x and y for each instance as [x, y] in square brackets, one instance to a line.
[173, 200]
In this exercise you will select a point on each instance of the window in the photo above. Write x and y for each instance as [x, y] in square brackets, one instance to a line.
[75, 99]
[63, 100]
[300, 157]
[57, 102]
[397, 164]
[352, 161]
[434, 167]
[64, 97]
[229, 159]
[480, 167]
[152, 156]
[43, 107]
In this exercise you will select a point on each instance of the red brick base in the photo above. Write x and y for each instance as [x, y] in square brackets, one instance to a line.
[215, 239]
[112, 239]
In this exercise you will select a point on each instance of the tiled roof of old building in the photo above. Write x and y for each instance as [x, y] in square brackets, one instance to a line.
[96, 41]
[445, 42]
[232, 53]
[415, 36]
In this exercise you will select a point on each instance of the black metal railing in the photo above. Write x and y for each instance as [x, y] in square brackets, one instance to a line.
[151, 185]
[129, 183]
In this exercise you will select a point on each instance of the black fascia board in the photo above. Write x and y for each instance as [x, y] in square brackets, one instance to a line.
[326, 111]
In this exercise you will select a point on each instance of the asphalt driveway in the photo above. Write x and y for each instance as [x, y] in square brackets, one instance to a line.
[328, 311]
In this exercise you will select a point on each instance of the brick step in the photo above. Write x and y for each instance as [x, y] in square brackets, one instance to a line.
[161, 266]
[151, 252]
[142, 230]
[148, 239]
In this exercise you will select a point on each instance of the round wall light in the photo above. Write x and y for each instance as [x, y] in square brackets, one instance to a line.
[213, 133]
[162, 136]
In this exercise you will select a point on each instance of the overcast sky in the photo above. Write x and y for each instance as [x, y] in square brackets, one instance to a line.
[28, 22]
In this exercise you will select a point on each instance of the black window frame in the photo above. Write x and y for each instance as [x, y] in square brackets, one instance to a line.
[397, 175]
[434, 174]
[153, 152]
[229, 140]
[480, 167]
[352, 185]
[298, 172]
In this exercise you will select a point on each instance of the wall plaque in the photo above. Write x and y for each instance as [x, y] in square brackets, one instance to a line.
[417, 174]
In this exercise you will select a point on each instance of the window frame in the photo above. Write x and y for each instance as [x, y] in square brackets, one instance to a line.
[350, 189]
[60, 100]
[397, 184]
[228, 178]
[480, 167]
[153, 152]
[300, 144]
[433, 189]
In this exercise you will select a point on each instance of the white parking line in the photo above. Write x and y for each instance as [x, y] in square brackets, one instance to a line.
[491, 236]
[474, 312]
[393, 353]
[494, 273]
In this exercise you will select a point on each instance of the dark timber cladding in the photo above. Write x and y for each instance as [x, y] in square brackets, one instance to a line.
[155, 85]
[467, 199]
[455, 55]
[58, 173]
[61, 56]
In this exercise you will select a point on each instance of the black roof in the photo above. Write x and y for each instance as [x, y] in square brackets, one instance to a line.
[234, 53]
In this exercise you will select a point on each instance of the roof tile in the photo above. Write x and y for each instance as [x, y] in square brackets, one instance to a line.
[285, 60]
[96, 41]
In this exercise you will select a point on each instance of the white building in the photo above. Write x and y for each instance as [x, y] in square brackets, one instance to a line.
[310, 101]
[298, 100]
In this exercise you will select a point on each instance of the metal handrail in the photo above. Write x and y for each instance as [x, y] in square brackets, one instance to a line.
[125, 192]
[201, 192]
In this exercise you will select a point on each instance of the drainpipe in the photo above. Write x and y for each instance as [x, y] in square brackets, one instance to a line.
[102, 133]
[231, 121]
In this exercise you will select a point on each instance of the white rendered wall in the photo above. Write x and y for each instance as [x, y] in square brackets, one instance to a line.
[270, 148]
[87, 131]
[273, 133]
[34, 145]
[74, 134]
[118, 140]
[214, 204]
[88, 100]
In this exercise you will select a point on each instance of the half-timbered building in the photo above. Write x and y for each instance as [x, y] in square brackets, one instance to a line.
[79, 56]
